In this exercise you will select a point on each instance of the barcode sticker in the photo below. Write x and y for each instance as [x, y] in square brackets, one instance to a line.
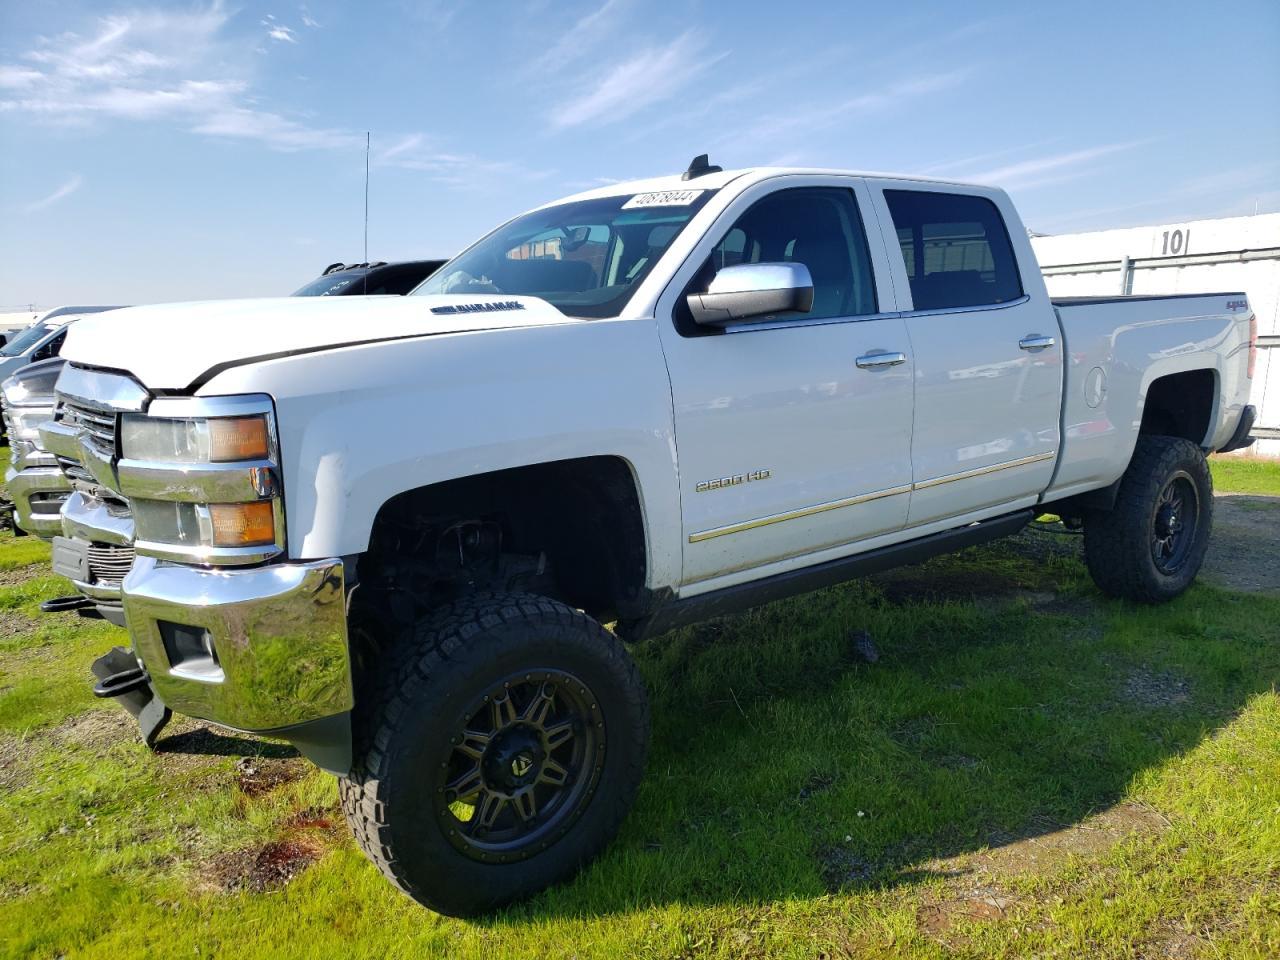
[664, 198]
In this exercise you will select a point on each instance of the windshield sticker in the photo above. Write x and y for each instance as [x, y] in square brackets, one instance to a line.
[664, 198]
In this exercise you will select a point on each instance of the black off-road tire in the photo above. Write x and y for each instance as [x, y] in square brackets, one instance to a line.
[406, 734]
[1119, 544]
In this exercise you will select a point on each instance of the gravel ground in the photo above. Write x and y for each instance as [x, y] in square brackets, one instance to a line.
[1244, 550]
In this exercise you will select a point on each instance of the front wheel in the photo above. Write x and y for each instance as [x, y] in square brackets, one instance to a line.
[503, 755]
[1150, 545]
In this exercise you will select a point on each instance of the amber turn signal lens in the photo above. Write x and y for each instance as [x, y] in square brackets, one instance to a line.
[238, 438]
[243, 524]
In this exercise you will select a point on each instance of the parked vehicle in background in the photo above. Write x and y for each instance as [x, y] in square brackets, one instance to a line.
[34, 481]
[370, 279]
[38, 487]
[14, 322]
[42, 339]
[649, 404]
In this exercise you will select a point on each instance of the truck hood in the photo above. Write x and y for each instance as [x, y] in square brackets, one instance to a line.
[172, 346]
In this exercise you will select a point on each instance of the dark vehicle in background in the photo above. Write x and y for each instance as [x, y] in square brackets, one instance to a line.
[36, 484]
[370, 279]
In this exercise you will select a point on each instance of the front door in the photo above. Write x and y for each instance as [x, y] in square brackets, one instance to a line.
[792, 434]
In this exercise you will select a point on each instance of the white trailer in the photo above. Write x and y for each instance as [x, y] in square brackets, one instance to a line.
[1200, 256]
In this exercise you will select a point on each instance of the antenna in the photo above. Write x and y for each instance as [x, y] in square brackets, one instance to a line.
[364, 288]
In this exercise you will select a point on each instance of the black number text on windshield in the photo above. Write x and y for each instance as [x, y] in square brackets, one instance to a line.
[586, 258]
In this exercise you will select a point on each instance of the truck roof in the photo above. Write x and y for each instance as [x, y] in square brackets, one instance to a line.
[719, 178]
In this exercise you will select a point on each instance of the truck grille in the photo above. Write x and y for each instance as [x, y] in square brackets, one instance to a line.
[109, 563]
[99, 425]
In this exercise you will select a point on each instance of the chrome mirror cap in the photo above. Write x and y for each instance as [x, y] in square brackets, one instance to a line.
[753, 291]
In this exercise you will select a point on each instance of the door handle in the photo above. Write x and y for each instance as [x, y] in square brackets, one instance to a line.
[1036, 342]
[873, 361]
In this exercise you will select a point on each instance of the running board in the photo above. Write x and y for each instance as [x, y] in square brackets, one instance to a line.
[744, 596]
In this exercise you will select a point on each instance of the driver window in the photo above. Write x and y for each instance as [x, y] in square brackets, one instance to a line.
[816, 226]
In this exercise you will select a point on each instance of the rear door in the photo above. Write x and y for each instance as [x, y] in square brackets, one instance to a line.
[793, 434]
[988, 353]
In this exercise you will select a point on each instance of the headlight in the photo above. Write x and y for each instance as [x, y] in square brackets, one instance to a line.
[202, 478]
[221, 440]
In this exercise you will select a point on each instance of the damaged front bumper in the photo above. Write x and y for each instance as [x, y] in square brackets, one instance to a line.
[262, 650]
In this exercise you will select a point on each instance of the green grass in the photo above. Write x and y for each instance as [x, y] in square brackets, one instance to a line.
[799, 802]
[1246, 475]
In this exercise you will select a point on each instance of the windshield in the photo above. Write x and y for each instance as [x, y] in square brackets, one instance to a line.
[24, 341]
[586, 258]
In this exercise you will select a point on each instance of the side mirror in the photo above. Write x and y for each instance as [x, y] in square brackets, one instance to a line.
[753, 291]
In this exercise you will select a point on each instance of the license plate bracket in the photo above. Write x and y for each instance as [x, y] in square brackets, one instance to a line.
[71, 558]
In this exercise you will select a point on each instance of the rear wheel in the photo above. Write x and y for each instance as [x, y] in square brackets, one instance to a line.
[502, 756]
[1150, 546]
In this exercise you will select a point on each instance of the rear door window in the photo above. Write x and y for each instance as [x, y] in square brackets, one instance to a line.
[955, 248]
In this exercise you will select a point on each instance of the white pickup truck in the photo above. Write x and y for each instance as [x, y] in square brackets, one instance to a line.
[390, 530]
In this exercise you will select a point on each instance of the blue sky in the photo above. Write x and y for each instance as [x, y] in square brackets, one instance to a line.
[193, 150]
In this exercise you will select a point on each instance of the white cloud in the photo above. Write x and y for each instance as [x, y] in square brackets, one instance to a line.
[185, 68]
[1048, 169]
[278, 31]
[582, 38]
[71, 186]
[279, 132]
[650, 77]
[779, 128]
[421, 154]
[159, 65]
[18, 78]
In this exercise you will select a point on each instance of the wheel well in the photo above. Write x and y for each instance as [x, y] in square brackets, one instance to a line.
[570, 529]
[1180, 405]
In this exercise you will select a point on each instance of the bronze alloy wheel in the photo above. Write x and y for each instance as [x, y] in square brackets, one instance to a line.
[523, 766]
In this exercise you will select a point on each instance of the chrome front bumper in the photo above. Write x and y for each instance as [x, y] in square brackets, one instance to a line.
[261, 650]
[38, 494]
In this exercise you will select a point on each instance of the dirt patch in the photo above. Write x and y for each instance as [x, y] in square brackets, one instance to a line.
[96, 730]
[1171, 942]
[1155, 689]
[258, 775]
[1244, 549]
[15, 575]
[317, 818]
[1043, 845]
[980, 902]
[258, 869]
[14, 771]
[13, 624]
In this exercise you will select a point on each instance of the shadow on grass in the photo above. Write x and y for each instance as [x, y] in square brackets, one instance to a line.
[205, 742]
[1011, 702]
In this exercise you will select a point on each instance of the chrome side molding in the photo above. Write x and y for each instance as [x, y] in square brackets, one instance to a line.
[867, 497]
